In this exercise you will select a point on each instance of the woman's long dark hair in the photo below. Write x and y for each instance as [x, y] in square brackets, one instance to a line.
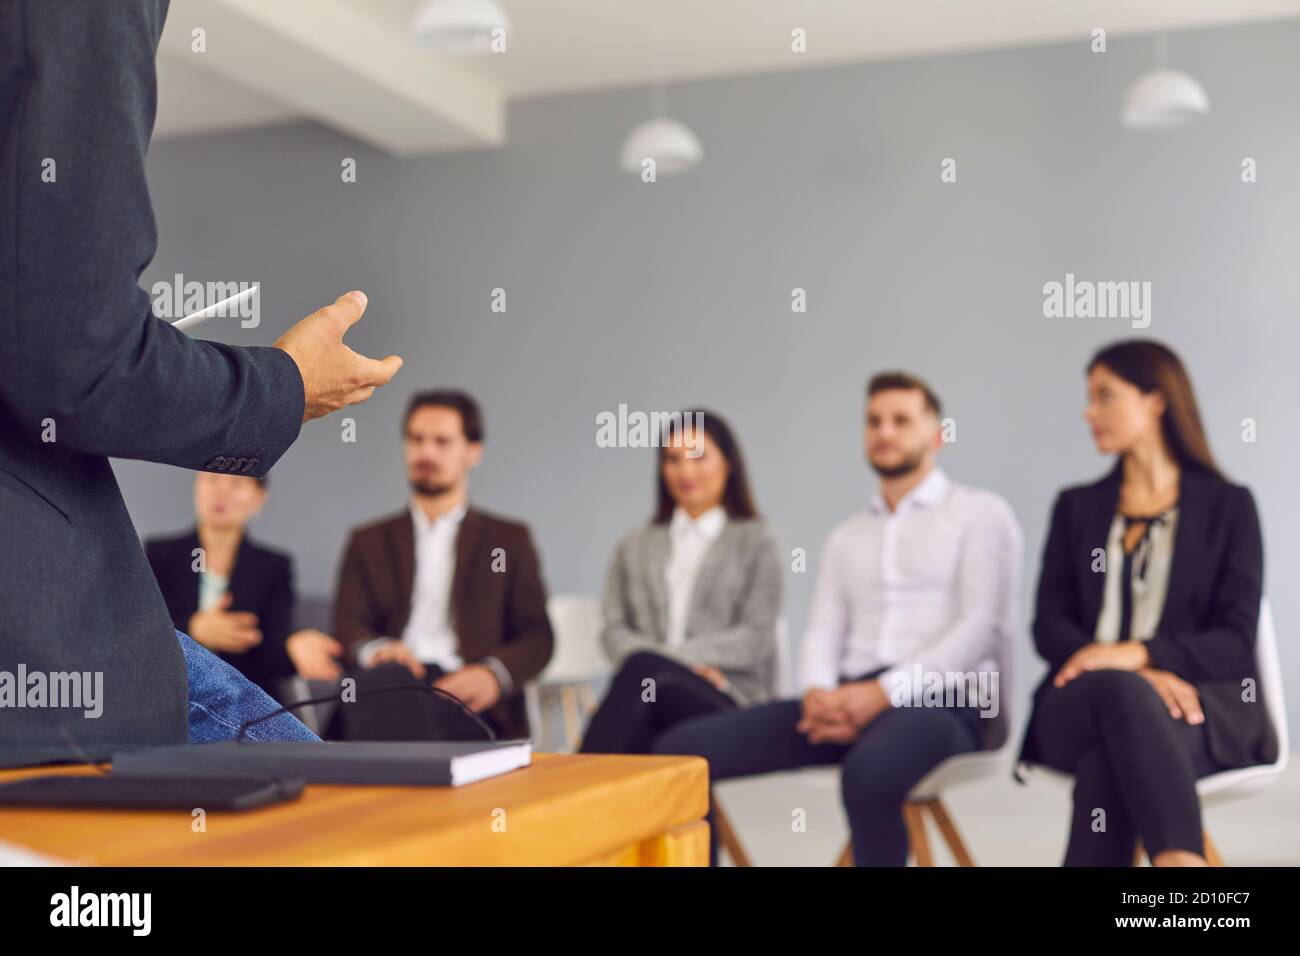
[1151, 366]
[736, 498]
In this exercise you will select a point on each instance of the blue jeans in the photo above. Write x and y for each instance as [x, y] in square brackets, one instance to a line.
[222, 699]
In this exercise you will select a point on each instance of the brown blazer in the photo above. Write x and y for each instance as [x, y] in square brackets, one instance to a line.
[495, 613]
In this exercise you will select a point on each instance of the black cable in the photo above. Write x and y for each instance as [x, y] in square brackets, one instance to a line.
[86, 759]
[483, 725]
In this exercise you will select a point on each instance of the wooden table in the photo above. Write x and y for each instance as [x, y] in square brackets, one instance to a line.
[565, 809]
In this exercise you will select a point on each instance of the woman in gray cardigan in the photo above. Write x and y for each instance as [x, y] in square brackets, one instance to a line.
[692, 600]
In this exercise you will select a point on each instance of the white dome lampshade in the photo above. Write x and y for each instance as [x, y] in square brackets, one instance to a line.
[1164, 99]
[459, 27]
[672, 146]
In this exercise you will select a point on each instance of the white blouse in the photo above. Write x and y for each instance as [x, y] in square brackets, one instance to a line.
[212, 587]
[689, 541]
[1149, 576]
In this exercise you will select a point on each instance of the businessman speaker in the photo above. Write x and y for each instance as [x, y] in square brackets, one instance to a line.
[87, 372]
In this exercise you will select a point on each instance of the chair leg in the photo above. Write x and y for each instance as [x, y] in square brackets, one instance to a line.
[1211, 851]
[727, 834]
[536, 712]
[915, 822]
[572, 720]
[587, 698]
[949, 831]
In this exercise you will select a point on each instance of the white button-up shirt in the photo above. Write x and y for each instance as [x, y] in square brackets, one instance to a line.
[689, 540]
[932, 582]
[428, 630]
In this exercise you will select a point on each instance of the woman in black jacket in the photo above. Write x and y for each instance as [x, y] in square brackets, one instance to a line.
[1147, 608]
[233, 596]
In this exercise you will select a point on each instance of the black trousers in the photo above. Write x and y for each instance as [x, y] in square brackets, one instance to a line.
[393, 704]
[1135, 767]
[631, 717]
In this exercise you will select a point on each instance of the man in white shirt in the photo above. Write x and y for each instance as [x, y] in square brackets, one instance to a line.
[901, 662]
[441, 594]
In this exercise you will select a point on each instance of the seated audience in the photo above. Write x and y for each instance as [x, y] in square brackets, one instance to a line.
[440, 595]
[691, 599]
[899, 664]
[234, 596]
[1148, 600]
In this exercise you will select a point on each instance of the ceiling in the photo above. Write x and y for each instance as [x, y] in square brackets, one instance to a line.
[352, 64]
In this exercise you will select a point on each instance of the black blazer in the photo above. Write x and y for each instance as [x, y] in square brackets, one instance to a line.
[1206, 633]
[261, 581]
[87, 371]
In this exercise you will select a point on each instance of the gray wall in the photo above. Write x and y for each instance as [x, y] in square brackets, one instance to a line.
[679, 292]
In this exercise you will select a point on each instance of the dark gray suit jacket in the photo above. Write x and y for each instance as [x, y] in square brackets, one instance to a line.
[84, 361]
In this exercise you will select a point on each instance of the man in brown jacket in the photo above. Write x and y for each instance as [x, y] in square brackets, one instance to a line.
[441, 594]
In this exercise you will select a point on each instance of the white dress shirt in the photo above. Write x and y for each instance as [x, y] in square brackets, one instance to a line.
[689, 540]
[932, 583]
[428, 629]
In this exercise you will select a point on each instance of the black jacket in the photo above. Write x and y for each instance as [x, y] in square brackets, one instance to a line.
[87, 371]
[261, 581]
[1206, 633]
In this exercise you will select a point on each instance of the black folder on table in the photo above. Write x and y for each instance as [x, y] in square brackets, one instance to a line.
[407, 763]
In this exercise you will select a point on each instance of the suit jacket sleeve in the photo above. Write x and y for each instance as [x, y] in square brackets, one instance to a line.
[83, 347]
[528, 640]
[356, 615]
[1057, 631]
[619, 639]
[1225, 648]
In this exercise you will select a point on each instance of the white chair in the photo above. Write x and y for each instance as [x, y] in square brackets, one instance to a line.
[1227, 785]
[577, 663]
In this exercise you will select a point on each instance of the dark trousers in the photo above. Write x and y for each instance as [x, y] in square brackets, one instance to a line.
[630, 718]
[891, 755]
[1135, 767]
[407, 711]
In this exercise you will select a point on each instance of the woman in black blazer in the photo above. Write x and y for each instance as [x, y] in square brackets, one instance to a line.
[233, 596]
[1147, 606]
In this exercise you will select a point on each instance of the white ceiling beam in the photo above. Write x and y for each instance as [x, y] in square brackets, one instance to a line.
[332, 61]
